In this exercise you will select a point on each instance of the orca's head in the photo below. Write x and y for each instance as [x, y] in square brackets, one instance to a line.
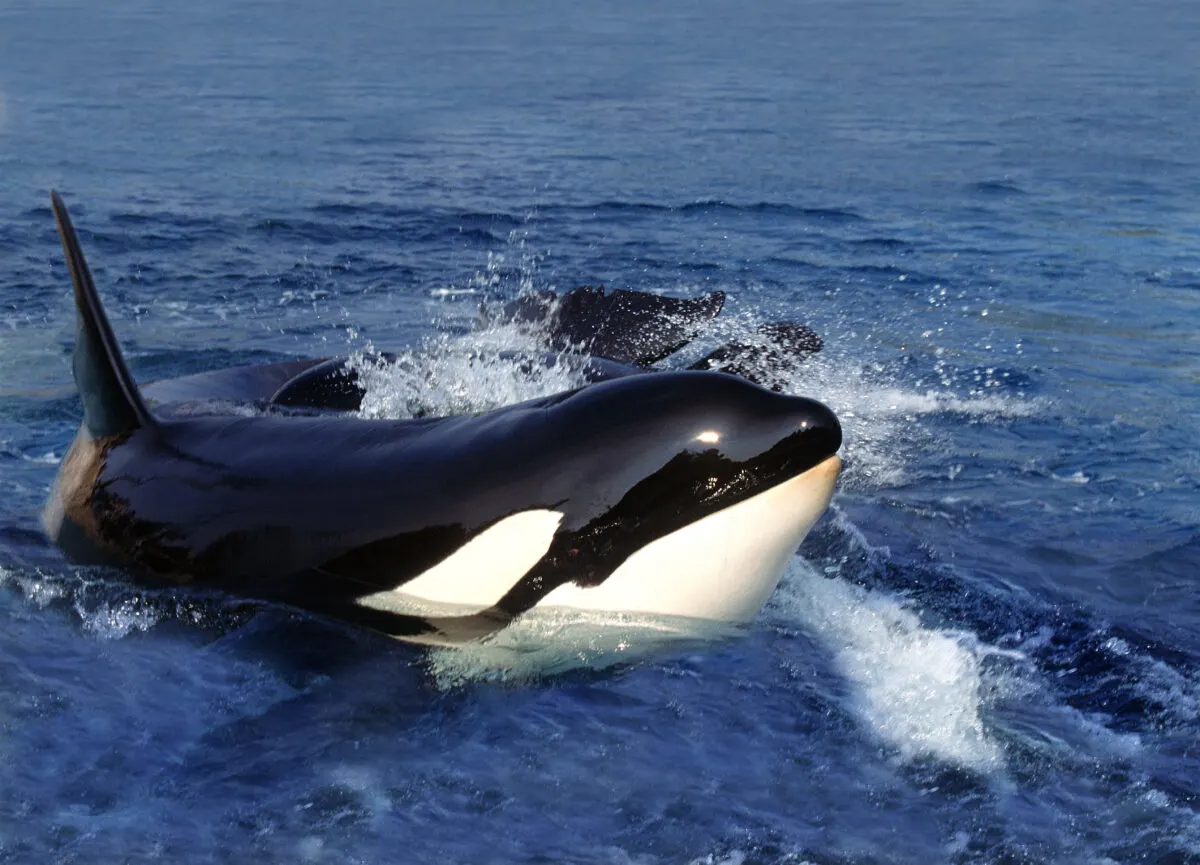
[690, 492]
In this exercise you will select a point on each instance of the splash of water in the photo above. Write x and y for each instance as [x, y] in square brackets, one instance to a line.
[41, 591]
[919, 689]
[449, 375]
[109, 609]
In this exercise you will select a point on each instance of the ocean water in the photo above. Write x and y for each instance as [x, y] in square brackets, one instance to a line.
[988, 651]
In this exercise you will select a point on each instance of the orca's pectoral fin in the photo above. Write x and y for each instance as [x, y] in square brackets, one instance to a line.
[111, 402]
[450, 630]
[426, 630]
[767, 357]
[630, 326]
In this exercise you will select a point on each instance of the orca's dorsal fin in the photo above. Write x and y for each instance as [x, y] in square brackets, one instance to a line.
[111, 402]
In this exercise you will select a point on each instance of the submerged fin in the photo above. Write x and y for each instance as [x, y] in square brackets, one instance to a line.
[626, 326]
[768, 357]
[111, 402]
[431, 630]
[631, 326]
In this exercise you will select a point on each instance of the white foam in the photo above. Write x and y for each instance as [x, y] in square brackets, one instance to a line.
[449, 374]
[42, 591]
[450, 291]
[112, 620]
[50, 458]
[1077, 478]
[919, 689]
[108, 610]
[445, 377]
[733, 857]
[1176, 691]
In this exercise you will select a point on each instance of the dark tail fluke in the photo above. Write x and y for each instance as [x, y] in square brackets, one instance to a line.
[111, 402]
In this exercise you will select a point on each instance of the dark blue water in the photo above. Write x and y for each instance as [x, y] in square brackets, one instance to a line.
[988, 652]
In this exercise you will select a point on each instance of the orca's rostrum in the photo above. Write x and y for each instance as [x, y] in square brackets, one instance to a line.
[678, 494]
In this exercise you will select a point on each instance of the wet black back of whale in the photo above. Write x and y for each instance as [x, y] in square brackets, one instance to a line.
[321, 512]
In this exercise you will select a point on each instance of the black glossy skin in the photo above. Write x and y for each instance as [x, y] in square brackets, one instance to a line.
[320, 511]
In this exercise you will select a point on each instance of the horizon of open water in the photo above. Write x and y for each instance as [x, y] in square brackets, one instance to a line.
[987, 652]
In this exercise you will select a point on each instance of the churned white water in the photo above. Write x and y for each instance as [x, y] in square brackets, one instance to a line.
[919, 690]
[448, 375]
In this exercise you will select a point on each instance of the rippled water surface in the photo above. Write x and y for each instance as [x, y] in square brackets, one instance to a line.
[986, 652]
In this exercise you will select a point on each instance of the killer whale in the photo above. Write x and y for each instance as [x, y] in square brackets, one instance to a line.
[680, 494]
